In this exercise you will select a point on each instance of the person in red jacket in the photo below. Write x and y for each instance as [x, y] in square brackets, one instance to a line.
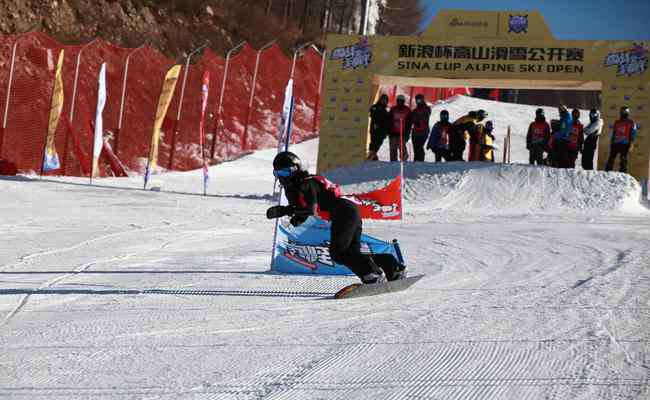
[400, 116]
[623, 136]
[537, 139]
[576, 138]
[420, 122]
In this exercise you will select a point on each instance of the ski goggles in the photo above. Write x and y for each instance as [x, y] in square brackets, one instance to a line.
[282, 173]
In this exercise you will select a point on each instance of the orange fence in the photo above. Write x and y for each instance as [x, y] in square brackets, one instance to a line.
[238, 118]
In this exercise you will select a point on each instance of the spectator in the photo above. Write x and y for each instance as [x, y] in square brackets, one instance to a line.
[380, 124]
[400, 117]
[623, 136]
[475, 137]
[487, 143]
[592, 132]
[440, 137]
[561, 138]
[538, 137]
[574, 144]
[463, 128]
[420, 122]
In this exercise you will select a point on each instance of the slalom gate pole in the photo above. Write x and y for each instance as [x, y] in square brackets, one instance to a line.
[286, 148]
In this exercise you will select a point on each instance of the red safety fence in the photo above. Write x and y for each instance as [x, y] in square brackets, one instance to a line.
[244, 121]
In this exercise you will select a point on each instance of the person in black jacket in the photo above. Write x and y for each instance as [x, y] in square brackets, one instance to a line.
[306, 193]
[380, 123]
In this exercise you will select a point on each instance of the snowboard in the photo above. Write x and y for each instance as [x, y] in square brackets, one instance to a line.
[361, 290]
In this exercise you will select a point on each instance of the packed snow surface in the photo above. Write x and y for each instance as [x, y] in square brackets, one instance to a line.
[537, 287]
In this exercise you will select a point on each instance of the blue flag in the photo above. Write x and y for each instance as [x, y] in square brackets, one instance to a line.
[305, 249]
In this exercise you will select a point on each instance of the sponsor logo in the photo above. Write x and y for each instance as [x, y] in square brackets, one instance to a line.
[333, 99]
[354, 56]
[626, 98]
[477, 24]
[309, 256]
[518, 23]
[386, 210]
[633, 61]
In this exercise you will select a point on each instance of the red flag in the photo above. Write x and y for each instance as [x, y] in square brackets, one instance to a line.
[384, 203]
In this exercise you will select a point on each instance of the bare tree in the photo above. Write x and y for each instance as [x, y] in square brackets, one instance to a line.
[269, 4]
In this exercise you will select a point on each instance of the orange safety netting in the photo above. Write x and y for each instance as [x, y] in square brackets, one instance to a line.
[129, 131]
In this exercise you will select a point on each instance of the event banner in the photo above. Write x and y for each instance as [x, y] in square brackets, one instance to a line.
[50, 157]
[163, 104]
[99, 122]
[305, 249]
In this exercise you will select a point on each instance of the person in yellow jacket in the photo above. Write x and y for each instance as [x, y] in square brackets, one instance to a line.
[487, 142]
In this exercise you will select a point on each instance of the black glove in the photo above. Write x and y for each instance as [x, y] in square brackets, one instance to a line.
[298, 220]
[278, 211]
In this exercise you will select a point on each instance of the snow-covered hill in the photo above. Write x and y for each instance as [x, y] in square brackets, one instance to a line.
[536, 287]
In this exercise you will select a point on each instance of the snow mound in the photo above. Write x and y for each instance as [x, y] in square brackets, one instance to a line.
[498, 188]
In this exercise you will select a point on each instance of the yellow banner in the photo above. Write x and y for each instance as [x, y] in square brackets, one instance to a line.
[51, 158]
[163, 104]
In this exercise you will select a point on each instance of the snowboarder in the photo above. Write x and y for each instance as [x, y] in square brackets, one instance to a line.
[537, 139]
[561, 138]
[592, 132]
[400, 117]
[623, 136]
[574, 144]
[380, 124]
[440, 137]
[308, 193]
[420, 122]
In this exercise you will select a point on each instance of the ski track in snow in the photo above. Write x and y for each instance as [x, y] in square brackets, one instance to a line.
[536, 287]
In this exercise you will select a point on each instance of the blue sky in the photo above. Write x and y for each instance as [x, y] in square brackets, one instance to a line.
[569, 20]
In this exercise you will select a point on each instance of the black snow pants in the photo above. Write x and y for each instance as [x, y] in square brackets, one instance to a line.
[536, 154]
[442, 154]
[419, 140]
[345, 243]
[588, 151]
[618, 149]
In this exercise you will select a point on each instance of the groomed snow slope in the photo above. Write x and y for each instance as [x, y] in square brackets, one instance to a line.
[108, 291]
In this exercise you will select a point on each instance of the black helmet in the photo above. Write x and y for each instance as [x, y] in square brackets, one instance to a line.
[285, 165]
[444, 116]
[575, 114]
[383, 98]
[539, 114]
[489, 126]
[625, 112]
[419, 98]
[481, 114]
[594, 114]
[401, 99]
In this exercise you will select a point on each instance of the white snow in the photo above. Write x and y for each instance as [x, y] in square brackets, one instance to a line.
[537, 287]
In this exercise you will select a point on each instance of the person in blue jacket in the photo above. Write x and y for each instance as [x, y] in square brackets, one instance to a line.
[561, 138]
[440, 137]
